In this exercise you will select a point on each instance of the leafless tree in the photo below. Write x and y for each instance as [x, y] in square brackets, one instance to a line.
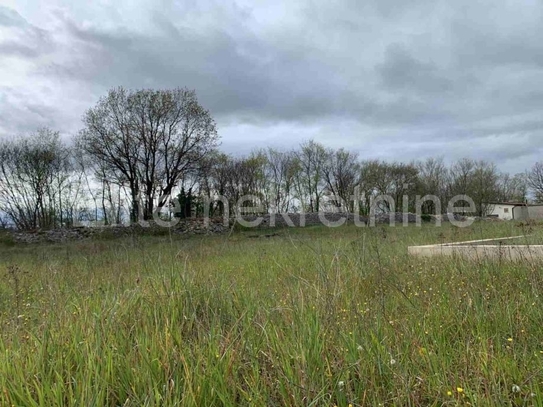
[219, 178]
[245, 177]
[477, 179]
[513, 188]
[433, 175]
[535, 181]
[404, 183]
[391, 179]
[486, 185]
[369, 174]
[461, 177]
[39, 187]
[147, 140]
[309, 179]
[342, 174]
[231, 178]
[280, 169]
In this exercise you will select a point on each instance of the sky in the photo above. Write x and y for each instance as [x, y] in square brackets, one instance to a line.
[388, 79]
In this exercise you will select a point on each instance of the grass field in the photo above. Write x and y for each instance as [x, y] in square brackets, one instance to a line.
[308, 317]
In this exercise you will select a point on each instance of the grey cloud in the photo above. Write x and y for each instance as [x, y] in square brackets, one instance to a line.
[244, 78]
[416, 78]
[20, 114]
[17, 49]
[402, 71]
[260, 80]
[24, 40]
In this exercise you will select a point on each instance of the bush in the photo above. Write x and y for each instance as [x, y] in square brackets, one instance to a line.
[6, 239]
[426, 218]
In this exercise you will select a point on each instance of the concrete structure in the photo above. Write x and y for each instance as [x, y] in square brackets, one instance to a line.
[481, 250]
[535, 211]
[514, 210]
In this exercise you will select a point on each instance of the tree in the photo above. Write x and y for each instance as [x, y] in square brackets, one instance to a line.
[184, 203]
[404, 182]
[394, 180]
[244, 177]
[217, 179]
[369, 174]
[309, 179]
[105, 193]
[341, 174]
[535, 181]
[477, 179]
[433, 176]
[486, 186]
[513, 188]
[280, 170]
[147, 140]
[39, 186]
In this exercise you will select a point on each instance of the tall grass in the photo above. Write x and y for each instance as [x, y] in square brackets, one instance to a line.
[313, 317]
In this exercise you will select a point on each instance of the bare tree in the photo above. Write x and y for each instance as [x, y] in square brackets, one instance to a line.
[486, 186]
[404, 182]
[369, 174]
[535, 181]
[148, 140]
[477, 179]
[219, 177]
[461, 177]
[391, 179]
[37, 184]
[513, 188]
[108, 138]
[231, 178]
[280, 170]
[341, 174]
[433, 176]
[309, 180]
[244, 178]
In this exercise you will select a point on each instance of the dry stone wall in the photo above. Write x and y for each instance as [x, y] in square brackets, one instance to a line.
[184, 227]
[213, 226]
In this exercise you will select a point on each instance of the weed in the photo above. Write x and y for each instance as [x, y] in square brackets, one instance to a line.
[314, 316]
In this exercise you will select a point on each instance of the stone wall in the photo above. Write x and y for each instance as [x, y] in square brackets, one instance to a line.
[184, 227]
[326, 219]
[214, 226]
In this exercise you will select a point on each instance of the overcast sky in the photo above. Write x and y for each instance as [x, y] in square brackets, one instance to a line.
[390, 79]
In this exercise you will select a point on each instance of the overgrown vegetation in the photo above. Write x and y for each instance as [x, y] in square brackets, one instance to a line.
[303, 317]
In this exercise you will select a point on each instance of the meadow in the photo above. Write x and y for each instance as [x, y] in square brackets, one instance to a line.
[299, 317]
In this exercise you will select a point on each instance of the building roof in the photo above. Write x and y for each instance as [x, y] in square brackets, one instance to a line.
[512, 203]
[506, 203]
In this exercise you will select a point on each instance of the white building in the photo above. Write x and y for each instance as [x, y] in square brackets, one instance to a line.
[514, 210]
[501, 210]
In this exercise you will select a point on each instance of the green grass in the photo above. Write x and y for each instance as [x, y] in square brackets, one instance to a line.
[309, 317]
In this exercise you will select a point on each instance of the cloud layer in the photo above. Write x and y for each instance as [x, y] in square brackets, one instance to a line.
[390, 80]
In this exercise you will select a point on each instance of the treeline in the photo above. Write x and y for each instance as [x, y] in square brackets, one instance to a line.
[140, 149]
[135, 149]
[314, 178]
